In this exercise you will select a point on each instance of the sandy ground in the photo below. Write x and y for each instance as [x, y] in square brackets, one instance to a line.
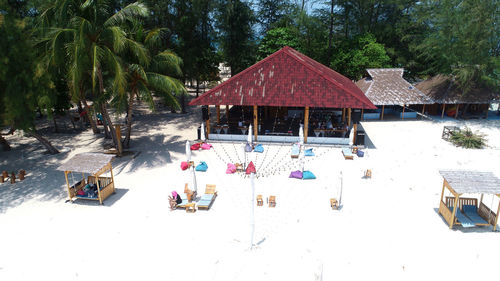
[388, 227]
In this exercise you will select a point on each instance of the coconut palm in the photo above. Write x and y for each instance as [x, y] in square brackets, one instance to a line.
[150, 71]
[87, 36]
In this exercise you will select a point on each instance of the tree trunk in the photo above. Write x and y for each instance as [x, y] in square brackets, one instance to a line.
[197, 87]
[126, 142]
[56, 129]
[71, 120]
[183, 103]
[105, 125]
[44, 142]
[112, 131]
[5, 144]
[330, 33]
[89, 116]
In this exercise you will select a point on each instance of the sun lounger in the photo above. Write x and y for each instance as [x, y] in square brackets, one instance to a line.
[295, 150]
[465, 221]
[185, 201]
[208, 198]
[347, 153]
[471, 212]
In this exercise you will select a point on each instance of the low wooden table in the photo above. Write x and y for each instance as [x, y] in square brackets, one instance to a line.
[190, 208]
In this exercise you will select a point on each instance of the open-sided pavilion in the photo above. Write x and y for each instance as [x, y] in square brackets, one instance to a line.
[279, 89]
[465, 211]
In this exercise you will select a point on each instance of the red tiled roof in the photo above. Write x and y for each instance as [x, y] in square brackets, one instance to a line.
[287, 78]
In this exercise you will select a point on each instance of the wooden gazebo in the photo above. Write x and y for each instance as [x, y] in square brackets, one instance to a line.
[286, 79]
[457, 210]
[95, 165]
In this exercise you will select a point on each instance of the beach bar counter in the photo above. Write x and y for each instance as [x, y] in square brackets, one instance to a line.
[469, 211]
[96, 186]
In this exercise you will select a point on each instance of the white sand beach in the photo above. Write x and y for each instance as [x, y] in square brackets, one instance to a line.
[387, 229]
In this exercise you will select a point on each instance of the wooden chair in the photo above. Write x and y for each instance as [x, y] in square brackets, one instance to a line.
[260, 202]
[272, 201]
[239, 167]
[368, 174]
[334, 204]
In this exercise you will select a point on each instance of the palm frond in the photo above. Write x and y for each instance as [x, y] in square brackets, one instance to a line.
[167, 62]
[1, 19]
[116, 36]
[145, 94]
[119, 81]
[137, 70]
[139, 51]
[153, 37]
[133, 10]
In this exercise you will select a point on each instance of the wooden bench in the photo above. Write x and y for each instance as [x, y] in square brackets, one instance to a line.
[190, 208]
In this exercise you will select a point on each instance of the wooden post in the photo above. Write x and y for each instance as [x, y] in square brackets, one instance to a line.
[382, 115]
[403, 116]
[442, 192]
[354, 129]
[67, 183]
[349, 117]
[496, 219]
[306, 123]
[12, 177]
[98, 188]
[454, 211]
[362, 113]
[487, 109]
[227, 114]
[119, 138]
[423, 110]
[343, 115]
[442, 112]
[207, 124]
[217, 107]
[456, 112]
[255, 122]
[112, 178]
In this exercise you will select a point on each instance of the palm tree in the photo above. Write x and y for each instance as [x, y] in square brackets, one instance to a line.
[151, 74]
[90, 37]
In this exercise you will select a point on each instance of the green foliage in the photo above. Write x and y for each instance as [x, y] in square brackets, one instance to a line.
[276, 39]
[353, 57]
[235, 19]
[467, 139]
[273, 13]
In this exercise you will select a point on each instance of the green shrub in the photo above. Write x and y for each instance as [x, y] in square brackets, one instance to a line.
[467, 139]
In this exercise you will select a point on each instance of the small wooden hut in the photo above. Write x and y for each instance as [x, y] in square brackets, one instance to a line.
[450, 99]
[386, 87]
[95, 165]
[456, 210]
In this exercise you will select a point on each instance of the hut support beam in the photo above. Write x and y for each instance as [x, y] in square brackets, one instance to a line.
[362, 113]
[382, 115]
[442, 111]
[487, 110]
[423, 110]
[454, 211]
[67, 183]
[403, 116]
[343, 115]
[456, 112]
[227, 114]
[208, 122]
[306, 123]
[217, 107]
[255, 122]
[496, 218]
[349, 117]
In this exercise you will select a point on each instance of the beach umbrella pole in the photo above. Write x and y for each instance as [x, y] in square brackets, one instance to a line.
[252, 183]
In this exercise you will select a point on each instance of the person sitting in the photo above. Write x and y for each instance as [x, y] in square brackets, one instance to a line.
[329, 125]
[345, 133]
[174, 200]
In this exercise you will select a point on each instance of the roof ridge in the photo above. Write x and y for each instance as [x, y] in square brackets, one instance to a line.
[323, 75]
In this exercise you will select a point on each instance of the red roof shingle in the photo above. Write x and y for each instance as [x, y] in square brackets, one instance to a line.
[287, 78]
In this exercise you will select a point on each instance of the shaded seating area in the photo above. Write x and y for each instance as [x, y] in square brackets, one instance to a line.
[94, 187]
[469, 211]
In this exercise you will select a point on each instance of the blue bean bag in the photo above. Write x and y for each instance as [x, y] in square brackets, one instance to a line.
[202, 167]
[308, 175]
[258, 148]
[296, 175]
[309, 152]
[248, 148]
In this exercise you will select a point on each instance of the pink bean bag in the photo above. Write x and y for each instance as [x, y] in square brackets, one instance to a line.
[231, 168]
[184, 165]
[206, 146]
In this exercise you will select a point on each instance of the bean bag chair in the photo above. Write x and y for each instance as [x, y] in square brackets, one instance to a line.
[258, 148]
[195, 146]
[309, 152]
[202, 167]
[206, 146]
[248, 148]
[231, 168]
[360, 153]
[296, 174]
[184, 165]
[308, 175]
[250, 168]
